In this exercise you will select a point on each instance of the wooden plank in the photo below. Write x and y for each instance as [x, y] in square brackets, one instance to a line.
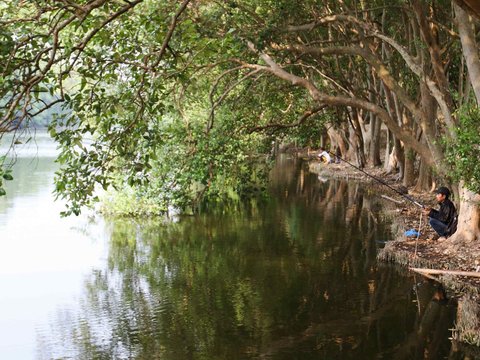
[446, 272]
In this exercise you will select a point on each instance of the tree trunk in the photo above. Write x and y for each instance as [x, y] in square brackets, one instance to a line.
[428, 125]
[374, 154]
[469, 214]
[400, 157]
[356, 138]
[388, 150]
[373, 148]
[424, 180]
[429, 31]
[468, 229]
[470, 48]
[337, 139]
[409, 154]
[409, 174]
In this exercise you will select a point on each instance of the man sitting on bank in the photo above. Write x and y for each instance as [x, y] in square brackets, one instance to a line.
[443, 220]
[325, 156]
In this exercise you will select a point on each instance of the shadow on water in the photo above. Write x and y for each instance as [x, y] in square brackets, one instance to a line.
[293, 278]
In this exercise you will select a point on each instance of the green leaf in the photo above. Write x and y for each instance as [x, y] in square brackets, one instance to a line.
[2, 192]
[7, 176]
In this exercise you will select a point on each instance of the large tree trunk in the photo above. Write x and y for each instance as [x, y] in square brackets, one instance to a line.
[338, 139]
[428, 124]
[468, 229]
[470, 48]
[373, 148]
[398, 148]
[469, 216]
[409, 154]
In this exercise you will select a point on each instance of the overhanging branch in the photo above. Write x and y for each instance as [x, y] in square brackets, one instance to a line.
[336, 100]
[300, 121]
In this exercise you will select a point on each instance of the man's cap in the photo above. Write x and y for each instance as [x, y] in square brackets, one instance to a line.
[443, 190]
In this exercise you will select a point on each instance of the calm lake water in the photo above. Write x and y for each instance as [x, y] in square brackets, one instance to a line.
[294, 277]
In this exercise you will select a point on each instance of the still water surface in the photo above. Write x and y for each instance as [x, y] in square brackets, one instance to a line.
[294, 277]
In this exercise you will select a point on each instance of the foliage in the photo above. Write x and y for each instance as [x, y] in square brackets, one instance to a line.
[174, 102]
[310, 133]
[463, 153]
[5, 175]
[129, 202]
[219, 171]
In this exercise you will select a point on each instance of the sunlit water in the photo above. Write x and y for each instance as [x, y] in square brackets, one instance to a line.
[43, 258]
[294, 277]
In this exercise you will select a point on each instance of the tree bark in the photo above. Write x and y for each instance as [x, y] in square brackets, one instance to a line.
[424, 179]
[399, 157]
[468, 228]
[387, 164]
[428, 125]
[375, 124]
[376, 133]
[469, 214]
[338, 140]
[356, 138]
[428, 31]
[409, 175]
[470, 48]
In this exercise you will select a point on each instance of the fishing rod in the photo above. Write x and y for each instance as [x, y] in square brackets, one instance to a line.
[379, 180]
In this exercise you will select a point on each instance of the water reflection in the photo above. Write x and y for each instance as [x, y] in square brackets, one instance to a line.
[295, 278]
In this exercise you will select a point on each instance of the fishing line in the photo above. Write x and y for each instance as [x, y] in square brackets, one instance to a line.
[379, 180]
[418, 235]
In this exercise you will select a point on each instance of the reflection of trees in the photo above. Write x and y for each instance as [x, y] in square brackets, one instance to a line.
[428, 341]
[265, 281]
[326, 209]
[344, 203]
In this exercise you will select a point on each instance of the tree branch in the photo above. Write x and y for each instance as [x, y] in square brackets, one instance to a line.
[171, 29]
[300, 121]
[371, 59]
[225, 93]
[409, 60]
[323, 98]
[470, 48]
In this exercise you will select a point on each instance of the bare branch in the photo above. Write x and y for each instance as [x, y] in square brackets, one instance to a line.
[225, 93]
[300, 121]
[171, 29]
[374, 61]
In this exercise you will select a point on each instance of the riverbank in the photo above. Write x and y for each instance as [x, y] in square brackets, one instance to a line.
[424, 251]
